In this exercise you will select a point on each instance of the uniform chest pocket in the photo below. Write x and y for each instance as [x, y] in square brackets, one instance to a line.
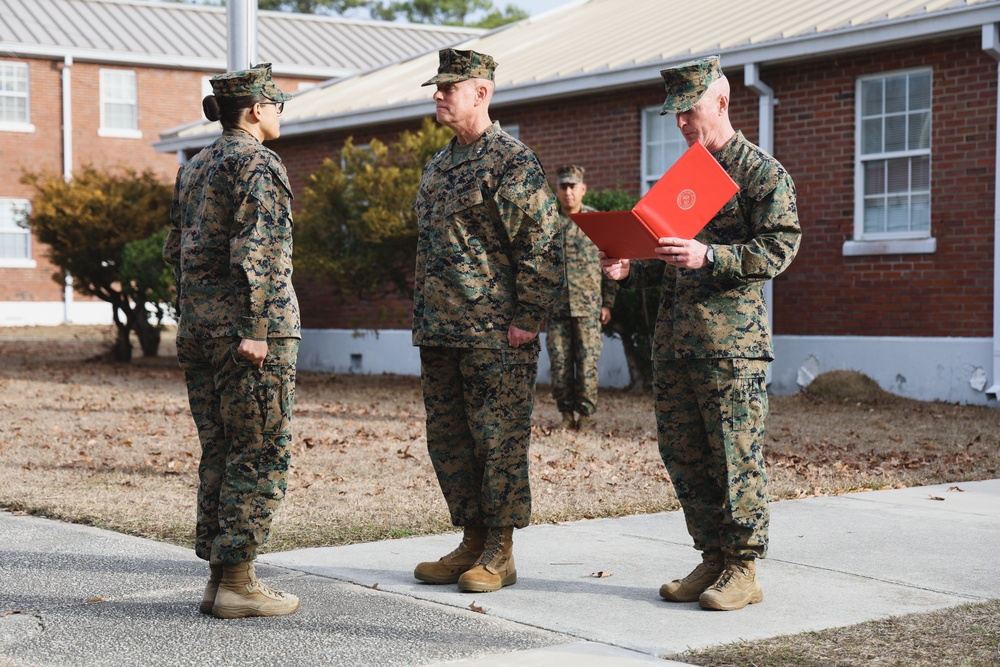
[730, 225]
[459, 202]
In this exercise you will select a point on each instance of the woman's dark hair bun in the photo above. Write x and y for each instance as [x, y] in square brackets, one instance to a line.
[210, 105]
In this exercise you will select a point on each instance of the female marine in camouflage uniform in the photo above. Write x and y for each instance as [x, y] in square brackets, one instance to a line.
[238, 334]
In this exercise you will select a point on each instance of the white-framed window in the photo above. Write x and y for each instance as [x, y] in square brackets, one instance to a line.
[15, 240]
[15, 102]
[892, 203]
[119, 104]
[662, 144]
[513, 130]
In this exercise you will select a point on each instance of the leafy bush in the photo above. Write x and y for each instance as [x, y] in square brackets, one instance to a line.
[87, 223]
[357, 228]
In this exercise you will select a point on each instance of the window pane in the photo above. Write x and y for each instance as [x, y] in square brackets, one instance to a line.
[120, 116]
[895, 94]
[654, 128]
[14, 246]
[920, 131]
[119, 99]
[871, 97]
[119, 85]
[14, 78]
[920, 91]
[871, 136]
[898, 214]
[654, 160]
[664, 143]
[875, 177]
[13, 110]
[12, 213]
[896, 190]
[15, 241]
[874, 216]
[920, 173]
[895, 133]
[920, 213]
[899, 176]
[14, 93]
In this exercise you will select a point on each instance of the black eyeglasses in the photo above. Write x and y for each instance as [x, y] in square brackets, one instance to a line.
[280, 106]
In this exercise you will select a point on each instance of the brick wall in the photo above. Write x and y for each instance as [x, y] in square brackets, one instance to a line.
[947, 293]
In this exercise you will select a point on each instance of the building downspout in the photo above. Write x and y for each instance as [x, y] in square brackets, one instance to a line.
[67, 155]
[991, 45]
[751, 79]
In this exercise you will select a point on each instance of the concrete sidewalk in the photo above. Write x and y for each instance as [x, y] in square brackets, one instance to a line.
[833, 561]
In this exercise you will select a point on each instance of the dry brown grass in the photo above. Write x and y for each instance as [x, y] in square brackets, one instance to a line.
[968, 635]
[112, 445]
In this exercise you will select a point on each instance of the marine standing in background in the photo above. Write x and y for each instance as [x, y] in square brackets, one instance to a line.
[237, 335]
[573, 325]
[488, 267]
[712, 344]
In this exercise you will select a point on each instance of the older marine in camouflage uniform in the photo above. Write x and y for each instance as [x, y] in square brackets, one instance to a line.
[712, 344]
[488, 266]
[238, 334]
[573, 325]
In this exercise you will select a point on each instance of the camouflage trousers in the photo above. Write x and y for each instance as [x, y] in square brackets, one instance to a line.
[710, 426]
[243, 414]
[574, 346]
[479, 404]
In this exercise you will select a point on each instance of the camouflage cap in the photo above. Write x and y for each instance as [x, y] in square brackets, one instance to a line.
[457, 65]
[687, 82]
[569, 173]
[253, 81]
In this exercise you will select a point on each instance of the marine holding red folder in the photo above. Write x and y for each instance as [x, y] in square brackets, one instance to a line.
[712, 341]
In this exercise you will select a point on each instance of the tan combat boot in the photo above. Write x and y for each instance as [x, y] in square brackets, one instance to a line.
[568, 422]
[690, 587]
[242, 594]
[495, 568]
[735, 588]
[586, 424]
[211, 588]
[448, 569]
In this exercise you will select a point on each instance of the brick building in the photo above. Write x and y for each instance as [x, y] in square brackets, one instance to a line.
[95, 82]
[884, 112]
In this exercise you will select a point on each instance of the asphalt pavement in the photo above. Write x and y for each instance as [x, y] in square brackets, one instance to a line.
[586, 594]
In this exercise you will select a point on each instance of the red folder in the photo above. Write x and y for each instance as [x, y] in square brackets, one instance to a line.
[679, 205]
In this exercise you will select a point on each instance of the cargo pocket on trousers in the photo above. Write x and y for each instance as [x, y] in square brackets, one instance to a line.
[748, 397]
[279, 386]
[520, 366]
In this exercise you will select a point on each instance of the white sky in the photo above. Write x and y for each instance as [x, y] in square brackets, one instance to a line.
[531, 6]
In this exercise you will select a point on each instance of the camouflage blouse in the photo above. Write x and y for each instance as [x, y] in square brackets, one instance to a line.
[488, 255]
[586, 289]
[718, 310]
[231, 245]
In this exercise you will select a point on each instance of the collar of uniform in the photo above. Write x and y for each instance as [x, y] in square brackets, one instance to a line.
[238, 132]
[727, 154]
[478, 147]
